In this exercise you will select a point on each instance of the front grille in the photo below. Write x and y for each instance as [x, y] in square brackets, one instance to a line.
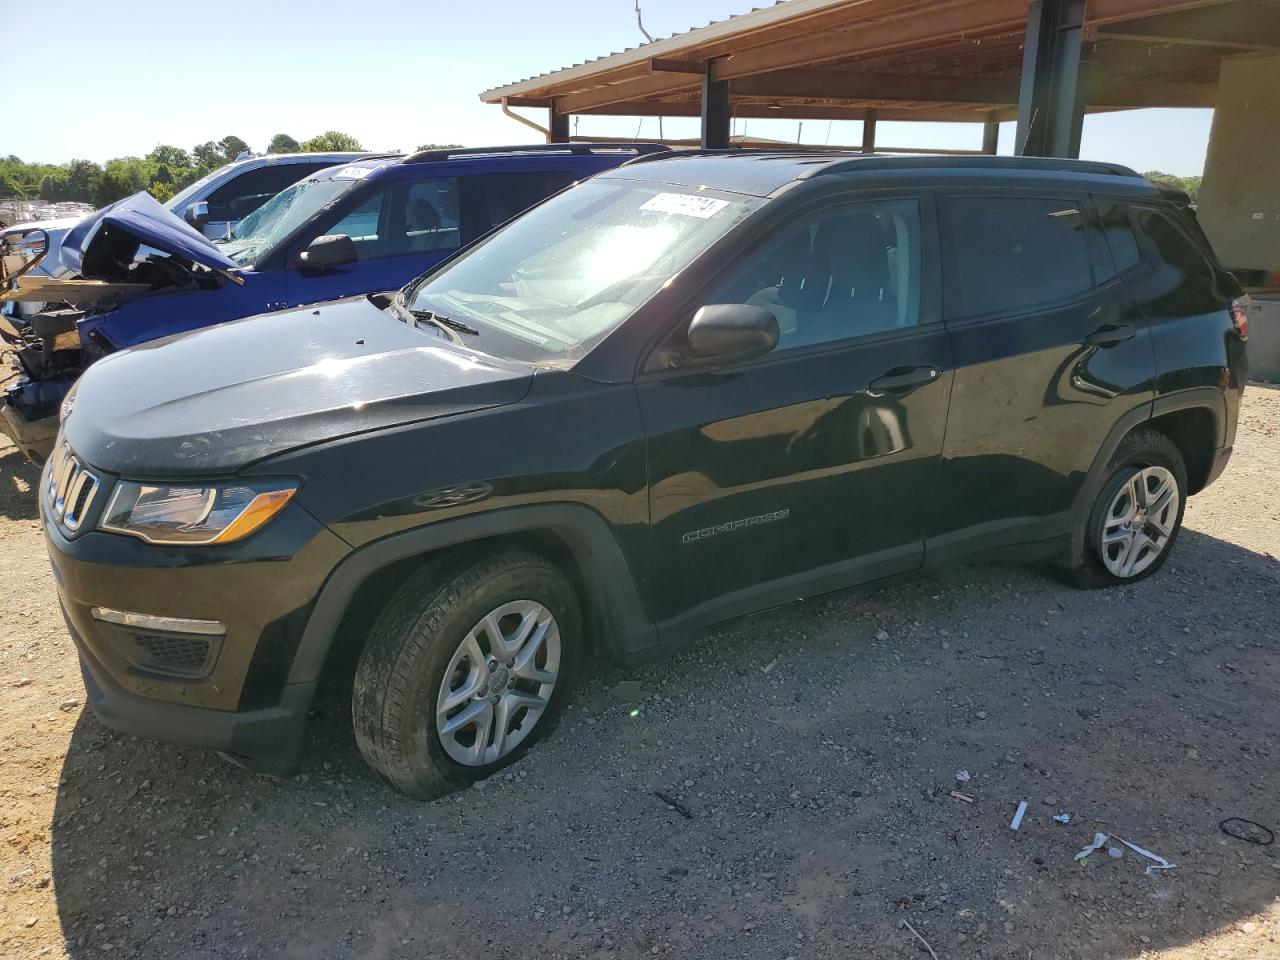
[70, 488]
[181, 656]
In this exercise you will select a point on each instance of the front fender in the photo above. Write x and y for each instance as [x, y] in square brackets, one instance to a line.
[613, 594]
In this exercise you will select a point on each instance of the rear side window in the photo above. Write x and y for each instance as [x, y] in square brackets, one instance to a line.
[1174, 247]
[1014, 253]
[501, 196]
[1117, 227]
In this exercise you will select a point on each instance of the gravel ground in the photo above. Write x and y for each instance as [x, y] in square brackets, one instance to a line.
[809, 753]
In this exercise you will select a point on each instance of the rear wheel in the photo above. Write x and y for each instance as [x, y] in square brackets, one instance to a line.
[469, 664]
[1135, 518]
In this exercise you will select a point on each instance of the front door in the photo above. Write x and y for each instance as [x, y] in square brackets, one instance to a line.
[807, 469]
[401, 229]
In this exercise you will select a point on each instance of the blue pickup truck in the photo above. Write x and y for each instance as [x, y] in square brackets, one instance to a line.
[368, 226]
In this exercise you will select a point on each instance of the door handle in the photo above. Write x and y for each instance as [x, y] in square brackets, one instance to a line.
[1109, 334]
[902, 381]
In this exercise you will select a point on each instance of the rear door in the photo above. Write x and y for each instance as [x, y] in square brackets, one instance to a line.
[807, 469]
[1050, 351]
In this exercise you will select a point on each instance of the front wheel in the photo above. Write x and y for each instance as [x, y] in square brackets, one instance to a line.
[467, 666]
[1137, 514]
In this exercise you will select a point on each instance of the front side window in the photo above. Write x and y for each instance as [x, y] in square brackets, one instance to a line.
[1011, 254]
[846, 272]
[403, 218]
[551, 284]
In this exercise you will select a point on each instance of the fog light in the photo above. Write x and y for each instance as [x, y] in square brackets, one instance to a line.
[145, 621]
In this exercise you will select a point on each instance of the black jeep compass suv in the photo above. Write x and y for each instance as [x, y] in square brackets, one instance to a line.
[683, 390]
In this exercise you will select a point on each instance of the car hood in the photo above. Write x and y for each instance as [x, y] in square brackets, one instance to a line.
[150, 224]
[215, 400]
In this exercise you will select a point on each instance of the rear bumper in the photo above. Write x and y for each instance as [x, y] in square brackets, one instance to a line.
[267, 740]
[1218, 464]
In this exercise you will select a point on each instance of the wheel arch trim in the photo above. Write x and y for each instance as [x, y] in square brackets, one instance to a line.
[612, 585]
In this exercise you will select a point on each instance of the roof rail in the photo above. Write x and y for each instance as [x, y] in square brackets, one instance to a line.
[433, 156]
[877, 161]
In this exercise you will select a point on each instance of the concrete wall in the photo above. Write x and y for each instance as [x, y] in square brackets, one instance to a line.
[1239, 204]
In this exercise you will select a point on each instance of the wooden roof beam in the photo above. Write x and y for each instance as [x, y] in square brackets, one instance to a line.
[837, 85]
[1203, 27]
[834, 85]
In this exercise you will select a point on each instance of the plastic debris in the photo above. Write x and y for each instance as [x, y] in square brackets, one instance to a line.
[1115, 853]
[1016, 822]
[1248, 830]
[1160, 862]
[962, 776]
[1099, 841]
[1063, 817]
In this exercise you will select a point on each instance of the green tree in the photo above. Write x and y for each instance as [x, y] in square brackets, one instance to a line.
[330, 141]
[82, 180]
[232, 147]
[283, 143]
[175, 158]
[439, 146]
[207, 155]
[120, 178]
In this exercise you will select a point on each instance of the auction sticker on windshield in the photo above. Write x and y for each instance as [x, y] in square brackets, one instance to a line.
[685, 204]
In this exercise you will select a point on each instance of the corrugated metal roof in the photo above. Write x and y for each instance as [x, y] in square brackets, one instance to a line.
[677, 43]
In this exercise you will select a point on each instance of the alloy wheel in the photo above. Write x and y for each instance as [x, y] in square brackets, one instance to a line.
[1140, 522]
[498, 683]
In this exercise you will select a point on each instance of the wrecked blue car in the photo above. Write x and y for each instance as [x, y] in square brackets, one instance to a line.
[365, 227]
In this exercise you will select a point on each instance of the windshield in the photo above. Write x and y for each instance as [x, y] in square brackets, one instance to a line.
[555, 281]
[257, 232]
[178, 202]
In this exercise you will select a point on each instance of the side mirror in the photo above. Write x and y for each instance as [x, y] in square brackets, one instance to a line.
[724, 333]
[332, 250]
[197, 214]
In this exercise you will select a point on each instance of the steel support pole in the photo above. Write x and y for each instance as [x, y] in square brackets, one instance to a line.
[558, 125]
[715, 112]
[991, 136]
[869, 132]
[1050, 108]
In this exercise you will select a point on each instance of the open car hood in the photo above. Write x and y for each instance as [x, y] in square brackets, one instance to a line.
[137, 220]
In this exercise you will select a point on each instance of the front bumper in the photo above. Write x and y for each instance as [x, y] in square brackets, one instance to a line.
[262, 589]
[268, 740]
[35, 438]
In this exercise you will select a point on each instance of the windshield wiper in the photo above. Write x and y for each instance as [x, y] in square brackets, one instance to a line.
[440, 320]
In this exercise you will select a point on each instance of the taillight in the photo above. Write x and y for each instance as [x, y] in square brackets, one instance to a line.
[1240, 319]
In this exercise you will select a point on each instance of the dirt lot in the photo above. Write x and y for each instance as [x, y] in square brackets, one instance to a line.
[812, 752]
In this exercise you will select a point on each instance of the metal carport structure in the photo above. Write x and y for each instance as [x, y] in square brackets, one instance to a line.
[1044, 63]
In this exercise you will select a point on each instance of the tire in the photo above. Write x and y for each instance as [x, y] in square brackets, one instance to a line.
[1144, 461]
[398, 691]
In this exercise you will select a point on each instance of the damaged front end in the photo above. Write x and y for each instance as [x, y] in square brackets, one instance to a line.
[49, 349]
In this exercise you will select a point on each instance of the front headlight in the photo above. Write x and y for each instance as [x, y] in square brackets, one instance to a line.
[178, 513]
[68, 402]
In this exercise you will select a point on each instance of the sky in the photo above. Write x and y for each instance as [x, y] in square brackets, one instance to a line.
[122, 77]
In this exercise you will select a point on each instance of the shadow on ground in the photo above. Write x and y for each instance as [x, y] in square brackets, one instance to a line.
[18, 480]
[817, 793]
